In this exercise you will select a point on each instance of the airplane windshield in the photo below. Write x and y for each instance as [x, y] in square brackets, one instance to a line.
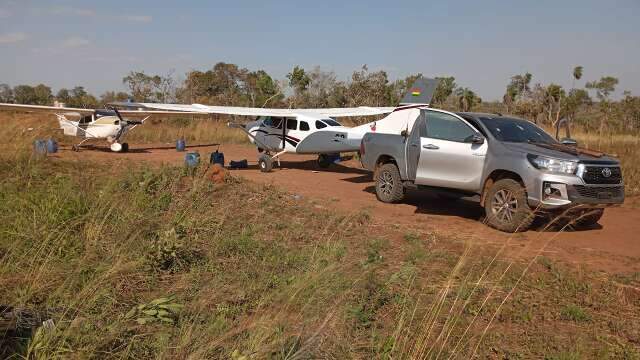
[331, 122]
[273, 122]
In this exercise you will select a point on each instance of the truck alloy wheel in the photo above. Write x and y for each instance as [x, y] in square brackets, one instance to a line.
[389, 187]
[506, 207]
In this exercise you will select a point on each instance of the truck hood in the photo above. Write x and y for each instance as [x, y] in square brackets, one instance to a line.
[560, 152]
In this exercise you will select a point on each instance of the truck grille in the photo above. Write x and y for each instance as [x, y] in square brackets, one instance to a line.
[596, 175]
[599, 192]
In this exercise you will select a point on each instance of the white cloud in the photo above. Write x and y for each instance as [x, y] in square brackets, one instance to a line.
[75, 42]
[72, 11]
[12, 38]
[137, 18]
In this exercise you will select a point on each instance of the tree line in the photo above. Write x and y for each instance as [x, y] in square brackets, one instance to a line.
[228, 84]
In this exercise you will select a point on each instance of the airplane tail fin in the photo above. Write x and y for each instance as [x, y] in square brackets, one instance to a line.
[420, 92]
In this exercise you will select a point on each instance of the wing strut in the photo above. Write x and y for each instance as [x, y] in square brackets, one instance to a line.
[284, 131]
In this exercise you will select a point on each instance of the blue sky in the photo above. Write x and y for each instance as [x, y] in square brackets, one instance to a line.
[482, 43]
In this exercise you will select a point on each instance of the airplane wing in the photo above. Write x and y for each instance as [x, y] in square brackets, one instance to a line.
[83, 111]
[40, 108]
[249, 111]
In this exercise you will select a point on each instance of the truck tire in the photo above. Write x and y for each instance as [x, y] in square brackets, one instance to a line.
[389, 187]
[506, 207]
[589, 217]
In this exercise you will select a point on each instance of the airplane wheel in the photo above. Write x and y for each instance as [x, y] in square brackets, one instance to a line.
[116, 147]
[125, 147]
[265, 163]
[323, 161]
[260, 150]
[75, 148]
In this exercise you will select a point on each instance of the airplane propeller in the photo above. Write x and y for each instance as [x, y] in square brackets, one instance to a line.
[124, 122]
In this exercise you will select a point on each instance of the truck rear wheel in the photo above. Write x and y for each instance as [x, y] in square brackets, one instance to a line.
[506, 207]
[389, 187]
[589, 217]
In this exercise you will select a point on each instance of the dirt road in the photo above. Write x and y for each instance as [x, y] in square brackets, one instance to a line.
[612, 247]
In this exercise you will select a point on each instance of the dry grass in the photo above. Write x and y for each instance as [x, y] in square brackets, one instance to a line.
[263, 275]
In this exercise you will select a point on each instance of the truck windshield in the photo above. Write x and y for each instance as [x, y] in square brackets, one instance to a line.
[516, 130]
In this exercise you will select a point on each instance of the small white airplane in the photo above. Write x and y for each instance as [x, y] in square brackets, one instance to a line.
[312, 131]
[93, 124]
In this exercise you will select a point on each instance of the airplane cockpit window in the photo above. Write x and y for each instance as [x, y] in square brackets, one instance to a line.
[86, 119]
[304, 126]
[320, 124]
[267, 122]
[276, 122]
[331, 122]
[292, 124]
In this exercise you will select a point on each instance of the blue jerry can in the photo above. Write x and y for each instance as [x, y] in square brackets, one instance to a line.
[217, 158]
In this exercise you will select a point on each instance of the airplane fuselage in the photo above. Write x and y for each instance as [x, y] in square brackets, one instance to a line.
[304, 134]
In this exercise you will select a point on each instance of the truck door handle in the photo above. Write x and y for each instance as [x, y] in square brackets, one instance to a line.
[414, 144]
[430, 147]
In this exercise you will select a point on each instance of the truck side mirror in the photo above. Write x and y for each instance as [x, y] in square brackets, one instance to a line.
[404, 133]
[475, 139]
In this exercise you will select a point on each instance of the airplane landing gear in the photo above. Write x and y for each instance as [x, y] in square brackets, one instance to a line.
[265, 163]
[116, 147]
[324, 161]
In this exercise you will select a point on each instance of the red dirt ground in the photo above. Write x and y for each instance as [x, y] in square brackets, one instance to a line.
[613, 247]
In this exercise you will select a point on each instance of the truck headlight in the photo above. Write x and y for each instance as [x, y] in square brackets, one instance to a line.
[553, 165]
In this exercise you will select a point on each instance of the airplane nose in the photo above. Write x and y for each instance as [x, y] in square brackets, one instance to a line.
[251, 125]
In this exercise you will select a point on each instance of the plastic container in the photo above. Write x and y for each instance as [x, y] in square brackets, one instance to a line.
[40, 147]
[181, 145]
[52, 146]
[192, 159]
[217, 158]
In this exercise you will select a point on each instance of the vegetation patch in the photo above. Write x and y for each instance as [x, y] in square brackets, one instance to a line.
[151, 263]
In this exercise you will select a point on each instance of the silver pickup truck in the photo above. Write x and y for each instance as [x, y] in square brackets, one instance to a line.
[518, 169]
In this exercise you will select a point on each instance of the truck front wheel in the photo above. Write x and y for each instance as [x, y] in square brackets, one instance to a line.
[389, 187]
[506, 207]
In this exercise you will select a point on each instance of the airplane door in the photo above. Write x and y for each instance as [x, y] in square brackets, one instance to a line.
[447, 158]
[271, 132]
[291, 137]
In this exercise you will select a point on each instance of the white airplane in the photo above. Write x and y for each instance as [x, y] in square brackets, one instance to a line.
[93, 124]
[312, 131]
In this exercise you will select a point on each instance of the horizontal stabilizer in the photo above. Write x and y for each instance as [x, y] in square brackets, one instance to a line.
[421, 92]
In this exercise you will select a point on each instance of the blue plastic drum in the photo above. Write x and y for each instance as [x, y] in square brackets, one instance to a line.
[181, 145]
[40, 147]
[192, 159]
[52, 146]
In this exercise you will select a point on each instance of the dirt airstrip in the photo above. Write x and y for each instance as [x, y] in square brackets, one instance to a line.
[613, 247]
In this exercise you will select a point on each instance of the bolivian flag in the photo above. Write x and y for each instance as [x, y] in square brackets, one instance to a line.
[415, 92]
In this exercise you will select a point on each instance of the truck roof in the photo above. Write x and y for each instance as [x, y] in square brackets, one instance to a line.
[486, 115]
